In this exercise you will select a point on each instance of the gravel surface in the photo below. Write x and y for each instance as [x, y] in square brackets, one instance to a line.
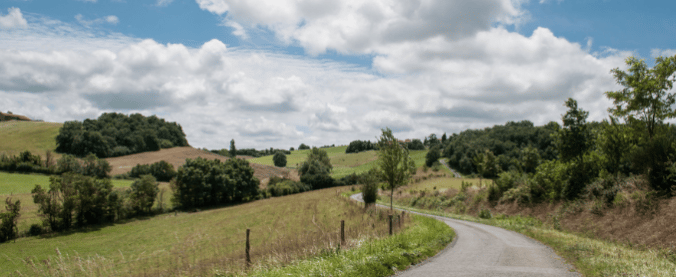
[483, 250]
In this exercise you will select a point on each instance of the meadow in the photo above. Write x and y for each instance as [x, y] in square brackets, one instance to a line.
[282, 229]
[343, 164]
[36, 137]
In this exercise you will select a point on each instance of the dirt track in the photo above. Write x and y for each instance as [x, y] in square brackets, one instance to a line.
[177, 155]
[483, 250]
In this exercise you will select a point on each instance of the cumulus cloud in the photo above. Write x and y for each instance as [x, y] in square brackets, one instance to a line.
[366, 26]
[163, 3]
[422, 84]
[13, 19]
[662, 52]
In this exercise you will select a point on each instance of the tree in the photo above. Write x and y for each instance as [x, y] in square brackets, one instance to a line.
[279, 159]
[573, 140]
[394, 164]
[316, 170]
[143, 193]
[645, 99]
[303, 146]
[433, 155]
[443, 138]
[369, 188]
[233, 150]
[9, 220]
[486, 164]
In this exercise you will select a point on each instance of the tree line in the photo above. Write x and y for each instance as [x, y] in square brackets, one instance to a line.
[116, 134]
[26, 162]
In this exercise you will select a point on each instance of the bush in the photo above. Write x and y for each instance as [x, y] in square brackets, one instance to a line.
[281, 187]
[143, 193]
[162, 171]
[35, 230]
[432, 156]
[369, 188]
[9, 219]
[303, 146]
[279, 159]
[485, 214]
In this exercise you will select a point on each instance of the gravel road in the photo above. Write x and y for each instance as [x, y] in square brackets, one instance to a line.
[483, 250]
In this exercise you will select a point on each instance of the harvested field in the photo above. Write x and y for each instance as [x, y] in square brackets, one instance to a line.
[177, 155]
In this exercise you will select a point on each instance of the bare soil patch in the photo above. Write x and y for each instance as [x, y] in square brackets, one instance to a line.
[177, 156]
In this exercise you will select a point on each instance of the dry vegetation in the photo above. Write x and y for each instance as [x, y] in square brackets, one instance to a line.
[203, 243]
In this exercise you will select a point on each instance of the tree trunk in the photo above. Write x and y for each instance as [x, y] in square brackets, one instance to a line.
[391, 197]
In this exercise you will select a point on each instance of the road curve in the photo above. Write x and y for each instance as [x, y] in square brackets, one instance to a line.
[483, 250]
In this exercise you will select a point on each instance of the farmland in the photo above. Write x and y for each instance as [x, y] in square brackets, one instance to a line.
[37, 137]
[283, 229]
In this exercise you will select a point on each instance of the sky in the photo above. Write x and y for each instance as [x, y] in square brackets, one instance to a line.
[278, 73]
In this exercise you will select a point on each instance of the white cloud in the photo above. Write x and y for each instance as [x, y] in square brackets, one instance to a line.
[239, 30]
[423, 84]
[662, 53]
[90, 1]
[354, 26]
[163, 3]
[13, 19]
[111, 19]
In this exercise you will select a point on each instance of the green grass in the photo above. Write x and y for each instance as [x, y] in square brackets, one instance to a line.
[343, 164]
[590, 256]
[382, 257]
[37, 137]
[282, 229]
[443, 183]
[18, 183]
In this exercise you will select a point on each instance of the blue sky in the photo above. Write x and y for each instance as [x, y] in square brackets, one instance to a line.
[281, 72]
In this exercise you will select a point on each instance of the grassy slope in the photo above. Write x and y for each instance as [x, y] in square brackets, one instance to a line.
[197, 242]
[343, 164]
[37, 137]
[592, 257]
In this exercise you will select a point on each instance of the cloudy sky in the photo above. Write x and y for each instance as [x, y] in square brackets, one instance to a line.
[275, 73]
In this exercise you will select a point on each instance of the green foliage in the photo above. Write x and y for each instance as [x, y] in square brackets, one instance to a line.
[233, 149]
[9, 220]
[504, 141]
[615, 142]
[581, 172]
[68, 163]
[485, 214]
[303, 146]
[551, 177]
[114, 134]
[415, 144]
[646, 99]
[95, 167]
[656, 158]
[369, 188]
[279, 159]
[281, 187]
[486, 164]
[395, 166]
[573, 140]
[76, 198]
[360, 146]
[433, 155]
[162, 171]
[143, 193]
[202, 182]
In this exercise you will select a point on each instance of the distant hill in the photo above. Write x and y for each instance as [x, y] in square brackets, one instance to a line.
[37, 137]
[177, 155]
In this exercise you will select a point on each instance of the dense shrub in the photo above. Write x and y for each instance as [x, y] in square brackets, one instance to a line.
[360, 146]
[250, 152]
[114, 134]
[201, 182]
[29, 163]
[303, 146]
[415, 144]
[162, 171]
[281, 187]
[9, 219]
[279, 159]
[316, 170]
[369, 189]
[433, 156]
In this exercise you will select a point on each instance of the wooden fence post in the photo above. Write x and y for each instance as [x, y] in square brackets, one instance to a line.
[390, 216]
[342, 232]
[248, 257]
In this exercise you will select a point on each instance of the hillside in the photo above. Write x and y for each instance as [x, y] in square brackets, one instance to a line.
[177, 155]
[37, 137]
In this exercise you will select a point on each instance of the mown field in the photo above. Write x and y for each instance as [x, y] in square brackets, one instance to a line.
[282, 229]
[37, 137]
[343, 164]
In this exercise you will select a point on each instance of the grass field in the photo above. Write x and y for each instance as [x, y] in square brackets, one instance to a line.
[442, 184]
[37, 137]
[202, 243]
[343, 164]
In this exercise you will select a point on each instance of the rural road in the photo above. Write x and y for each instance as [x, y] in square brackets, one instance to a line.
[483, 250]
[443, 162]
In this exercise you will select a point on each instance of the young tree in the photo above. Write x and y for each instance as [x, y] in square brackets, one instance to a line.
[316, 170]
[369, 188]
[233, 150]
[433, 155]
[143, 193]
[646, 98]
[279, 159]
[574, 137]
[9, 220]
[395, 166]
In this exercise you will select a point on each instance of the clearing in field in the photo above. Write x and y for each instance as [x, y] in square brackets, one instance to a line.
[282, 229]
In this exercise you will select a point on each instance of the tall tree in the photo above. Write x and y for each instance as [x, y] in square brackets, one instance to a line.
[395, 166]
[645, 99]
[573, 139]
[233, 150]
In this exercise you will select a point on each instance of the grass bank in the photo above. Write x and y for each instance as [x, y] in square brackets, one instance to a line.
[591, 256]
[380, 257]
[37, 137]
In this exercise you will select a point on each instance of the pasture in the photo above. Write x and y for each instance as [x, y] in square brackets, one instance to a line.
[202, 243]
[36, 137]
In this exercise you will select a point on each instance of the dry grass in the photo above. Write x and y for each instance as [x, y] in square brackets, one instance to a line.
[282, 229]
[37, 137]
